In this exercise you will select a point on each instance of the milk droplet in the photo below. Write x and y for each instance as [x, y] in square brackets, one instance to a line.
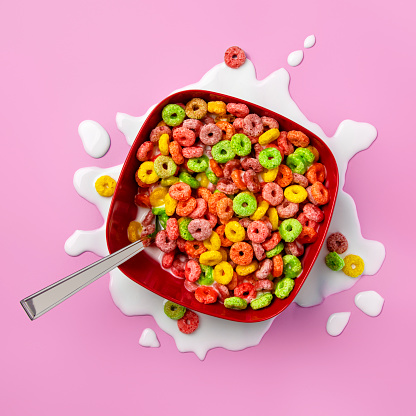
[94, 137]
[149, 339]
[370, 302]
[337, 323]
[295, 58]
[309, 41]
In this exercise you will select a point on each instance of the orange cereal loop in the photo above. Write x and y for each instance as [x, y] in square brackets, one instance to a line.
[319, 193]
[175, 150]
[315, 152]
[216, 168]
[161, 123]
[284, 176]
[307, 236]
[194, 248]
[277, 266]
[228, 130]
[298, 138]
[217, 107]
[225, 242]
[241, 253]
[213, 200]
[225, 209]
[236, 177]
[316, 173]
[184, 208]
[204, 193]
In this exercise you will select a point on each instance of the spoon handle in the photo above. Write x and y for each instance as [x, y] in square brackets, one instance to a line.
[43, 301]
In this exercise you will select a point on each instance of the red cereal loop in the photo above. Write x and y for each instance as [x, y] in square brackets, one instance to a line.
[139, 182]
[337, 242]
[176, 152]
[200, 210]
[259, 251]
[305, 221]
[184, 208]
[206, 294]
[181, 244]
[312, 212]
[234, 57]
[223, 292]
[284, 176]
[190, 286]
[172, 228]
[287, 209]
[268, 223]
[192, 270]
[216, 168]
[264, 284]
[200, 229]
[188, 323]
[298, 138]
[236, 176]
[230, 166]
[210, 134]
[252, 181]
[234, 282]
[194, 248]
[272, 193]
[167, 259]
[211, 218]
[225, 209]
[319, 193]
[164, 243]
[238, 125]
[203, 193]
[307, 236]
[239, 110]
[300, 180]
[194, 125]
[316, 173]
[148, 218]
[264, 269]
[180, 191]
[213, 200]
[241, 253]
[257, 232]
[225, 242]
[251, 163]
[272, 242]
[193, 151]
[269, 123]
[158, 131]
[227, 186]
[184, 136]
[142, 200]
[277, 266]
[245, 291]
[284, 144]
[253, 126]
[145, 151]
[227, 129]
[295, 248]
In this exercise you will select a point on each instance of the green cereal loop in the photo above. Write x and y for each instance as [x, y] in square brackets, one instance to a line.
[270, 158]
[244, 204]
[164, 166]
[212, 177]
[189, 179]
[290, 229]
[306, 155]
[334, 261]
[198, 164]
[292, 266]
[163, 219]
[241, 144]
[158, 210]
[262, 301]
[183, 229]
[207, 276]
[235, 303]
[169, 181]
[173, 115]
[296, 164]
[222, 152]
[275, 251]
[284, 287]
[173, 310]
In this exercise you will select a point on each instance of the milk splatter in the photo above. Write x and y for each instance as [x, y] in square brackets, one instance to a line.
[149, 339]
[370, 302]
[309, 42]
[337, 323]
[295, 58]
[94, 137]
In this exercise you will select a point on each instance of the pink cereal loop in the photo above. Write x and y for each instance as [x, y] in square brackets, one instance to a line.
[257, 232]
[164, 243]
[264, 269]
[158, 131]
[238, 125]
[259, 251]
[200, 229]
[193, 151]
[210, 134]
[272, 193]
[194, 125]
[185, 137]
[295, 249]
[287, 209]
[239, 110]
[200, 210]
[251, 163]
[253, 125]
[230, 166]
[252, 181]
[269, 123]
[234, 57]
[306, 222]
[313, 213]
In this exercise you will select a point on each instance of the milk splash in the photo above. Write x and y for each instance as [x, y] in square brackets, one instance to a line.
[94, 137]
[273, 93]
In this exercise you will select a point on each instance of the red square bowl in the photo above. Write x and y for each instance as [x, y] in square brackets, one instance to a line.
[146, 272]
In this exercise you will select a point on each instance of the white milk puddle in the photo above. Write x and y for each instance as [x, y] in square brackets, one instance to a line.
[273, 93]
[309, 42]
[337, 323]
[149, 339]
[370, 302]
[295, 58]
[94, 137]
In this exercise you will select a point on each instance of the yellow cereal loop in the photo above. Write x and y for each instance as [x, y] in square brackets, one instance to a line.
[105, 185]
[170, 205]
[202, 179]
[213, 243]
[260, 211]
[134, 231]
[157, 197]
[217, 107]
[223, 273]
[273, 217]
[354, 265]
[146, 173]
[224, 254]
[270, 174]
[295, 193]
[315, 152]
[210, 258]
[268, 136]
[235, 232]
[245, 270]
[164, 144]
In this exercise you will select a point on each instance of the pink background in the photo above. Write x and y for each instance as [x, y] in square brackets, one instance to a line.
[63, 63]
